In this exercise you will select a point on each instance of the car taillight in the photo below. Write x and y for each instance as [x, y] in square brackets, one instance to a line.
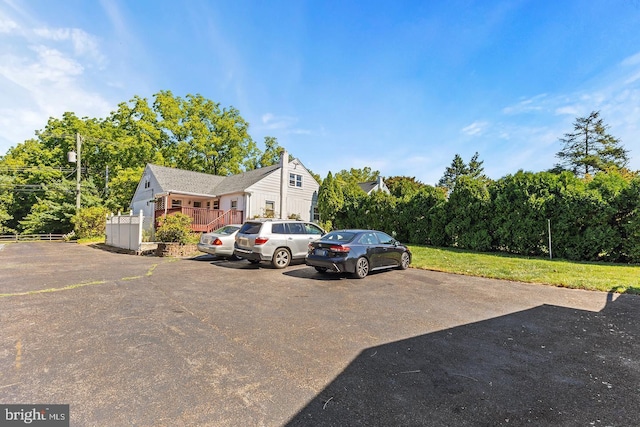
[339, 249]
[261, 240]
[217, 242]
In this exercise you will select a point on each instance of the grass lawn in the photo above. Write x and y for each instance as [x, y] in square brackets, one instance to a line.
[619, 278]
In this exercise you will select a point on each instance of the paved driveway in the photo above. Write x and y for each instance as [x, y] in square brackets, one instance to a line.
[147, 341]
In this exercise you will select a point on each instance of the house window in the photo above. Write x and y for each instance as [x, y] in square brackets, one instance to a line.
[295, 180]
[197, 204]
[147, 184]
[269, 209]
[208, 204]
[234, 205]
[216, 204]
[316, 214]
[176, 203]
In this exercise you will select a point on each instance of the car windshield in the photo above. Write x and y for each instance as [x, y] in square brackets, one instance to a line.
[339, 236]
[227, 229]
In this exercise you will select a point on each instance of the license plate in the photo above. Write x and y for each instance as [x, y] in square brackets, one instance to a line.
[243, 241]
[321, 252]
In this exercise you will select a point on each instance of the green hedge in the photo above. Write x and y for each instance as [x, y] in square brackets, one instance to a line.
[592, 219]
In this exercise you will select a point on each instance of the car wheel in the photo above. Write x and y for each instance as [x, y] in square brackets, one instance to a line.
[254, 261]
[362, 268]
[233, 258]
[321, 269]
[405, 259]
[281, 258]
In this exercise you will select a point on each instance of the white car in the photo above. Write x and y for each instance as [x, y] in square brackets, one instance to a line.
[220, 242]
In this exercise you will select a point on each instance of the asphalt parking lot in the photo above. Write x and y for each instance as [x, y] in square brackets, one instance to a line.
[144, 341]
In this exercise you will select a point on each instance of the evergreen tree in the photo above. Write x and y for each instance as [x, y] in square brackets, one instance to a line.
[459, 168]
[590, 149]
[330, 199]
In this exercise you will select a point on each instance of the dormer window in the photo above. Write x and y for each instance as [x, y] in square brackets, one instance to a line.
[295, 180]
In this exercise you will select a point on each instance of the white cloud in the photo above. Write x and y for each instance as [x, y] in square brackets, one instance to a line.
[83, 43]
[43, 74]
[7, 26]
[533, 104]
[475, 128]
[631, 60]
[283, 124]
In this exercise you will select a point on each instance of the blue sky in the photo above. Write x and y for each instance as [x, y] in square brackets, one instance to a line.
[399, 86]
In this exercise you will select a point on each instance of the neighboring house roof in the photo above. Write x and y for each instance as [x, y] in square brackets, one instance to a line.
[377, 185]
[368, 186]
[183, 181]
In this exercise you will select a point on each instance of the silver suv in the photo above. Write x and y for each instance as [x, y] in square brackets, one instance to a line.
[276, 240]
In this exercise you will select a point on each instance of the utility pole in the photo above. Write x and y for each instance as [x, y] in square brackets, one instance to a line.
[78, 170]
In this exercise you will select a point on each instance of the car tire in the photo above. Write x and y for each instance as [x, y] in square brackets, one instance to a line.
[362, 268]
[281, 258]
[321, 269]
[405, 260]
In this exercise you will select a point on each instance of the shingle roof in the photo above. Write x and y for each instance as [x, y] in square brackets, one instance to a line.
[242, 181]
[179, 180]
[368, 186]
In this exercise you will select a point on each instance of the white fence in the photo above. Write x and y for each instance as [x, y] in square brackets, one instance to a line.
[126, 231]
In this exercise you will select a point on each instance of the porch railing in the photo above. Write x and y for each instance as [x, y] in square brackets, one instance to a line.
[204, 220]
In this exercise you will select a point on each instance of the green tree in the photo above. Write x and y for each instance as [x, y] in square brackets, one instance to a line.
[201, 136]
[589, 148]
[270, 156]
[458, 168]
[122, 187]
[330, 199]
[468, 214]
[355, 176]
[403, 186]
[519, 216]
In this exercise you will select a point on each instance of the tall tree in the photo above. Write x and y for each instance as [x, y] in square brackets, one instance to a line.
[270, 156]
[201, 136]
[589, 148]
[330, 199]
[459, 168]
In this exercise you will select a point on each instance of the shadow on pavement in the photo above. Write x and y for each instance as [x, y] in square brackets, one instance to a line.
[549, 365]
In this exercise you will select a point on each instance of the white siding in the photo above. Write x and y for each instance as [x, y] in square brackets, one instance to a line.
[143, 197]
[267, 189]
[225, 201]
[300, 201]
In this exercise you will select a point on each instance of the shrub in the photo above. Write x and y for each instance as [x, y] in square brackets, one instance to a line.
[90, 222]
[175, 228]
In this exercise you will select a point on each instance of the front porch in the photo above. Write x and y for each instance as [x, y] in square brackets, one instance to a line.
[203, 220]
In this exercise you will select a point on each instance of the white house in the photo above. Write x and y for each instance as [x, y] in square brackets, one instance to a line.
[285, 190]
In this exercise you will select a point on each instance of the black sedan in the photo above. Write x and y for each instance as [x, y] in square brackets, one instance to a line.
[357, 252]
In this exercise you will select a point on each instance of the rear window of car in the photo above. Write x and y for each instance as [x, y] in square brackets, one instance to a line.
[250, 228]
[228, 229]
[339, 236]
